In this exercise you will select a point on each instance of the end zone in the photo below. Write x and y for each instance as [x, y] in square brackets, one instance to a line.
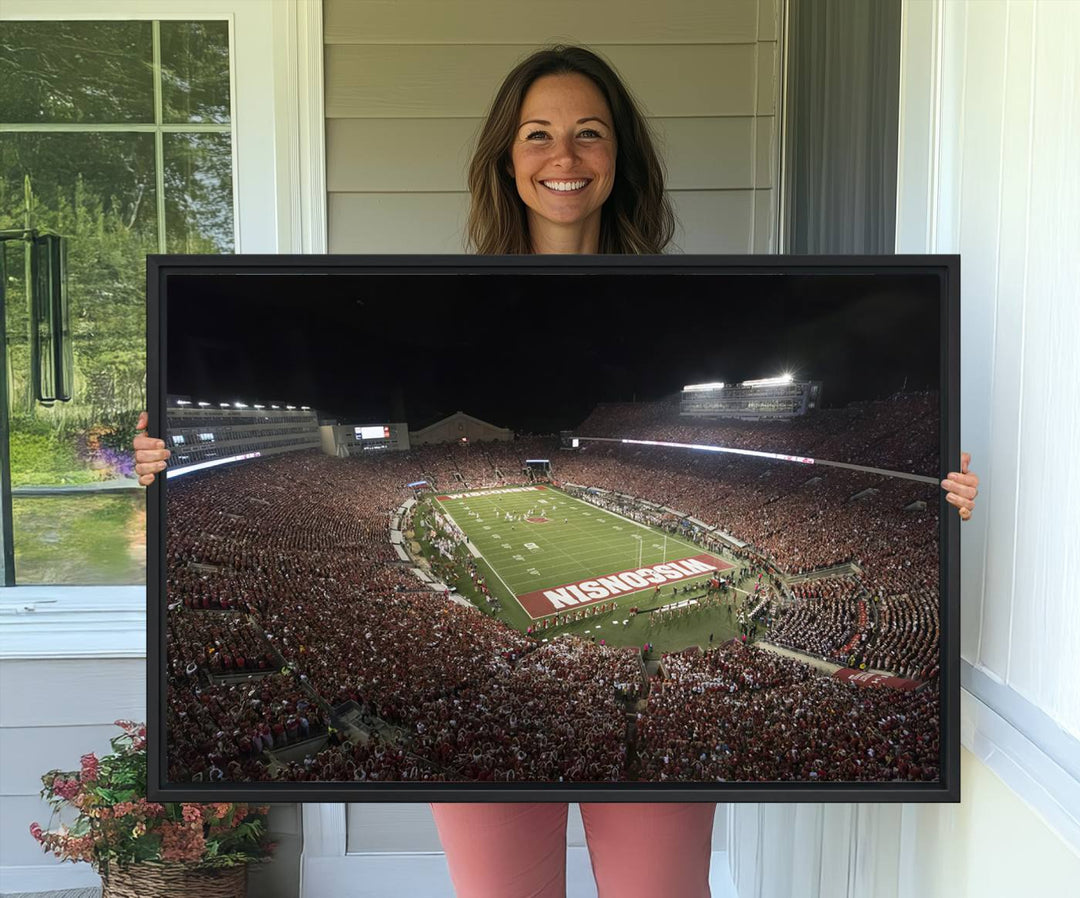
[496, 492]
[543, 602]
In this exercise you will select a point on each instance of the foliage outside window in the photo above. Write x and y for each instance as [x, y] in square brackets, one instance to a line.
[118, 136]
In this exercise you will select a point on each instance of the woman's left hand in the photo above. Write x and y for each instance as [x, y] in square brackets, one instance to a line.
[962, 487]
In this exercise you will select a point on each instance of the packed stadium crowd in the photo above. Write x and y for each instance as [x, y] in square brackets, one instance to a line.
[740, 714]
[287, 561]
[373, 759]
[215, 642]
[220, 731]
[825, 619]
[537, 722]
[909, 637]
[898, 434]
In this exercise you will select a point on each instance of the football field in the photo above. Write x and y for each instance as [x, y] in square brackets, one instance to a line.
[550, 552]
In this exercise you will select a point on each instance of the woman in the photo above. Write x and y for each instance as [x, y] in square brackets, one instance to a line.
[565, 164]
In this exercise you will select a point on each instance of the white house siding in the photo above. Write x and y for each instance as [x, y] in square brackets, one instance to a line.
[408, 83]
[53, 712]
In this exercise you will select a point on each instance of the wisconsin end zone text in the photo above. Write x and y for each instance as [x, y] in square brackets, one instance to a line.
[585, 592]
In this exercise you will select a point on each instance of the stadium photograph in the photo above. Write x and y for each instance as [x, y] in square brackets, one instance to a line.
[518, 530]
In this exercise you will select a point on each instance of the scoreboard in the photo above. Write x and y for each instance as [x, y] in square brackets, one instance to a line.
[345, 440]
[375, 432]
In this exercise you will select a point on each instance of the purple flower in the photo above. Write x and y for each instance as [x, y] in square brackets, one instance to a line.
[118, 462]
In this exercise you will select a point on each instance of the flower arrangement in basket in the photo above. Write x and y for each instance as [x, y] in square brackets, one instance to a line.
[141, 847]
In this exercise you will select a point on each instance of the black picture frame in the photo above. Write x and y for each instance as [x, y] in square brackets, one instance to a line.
[160, 268]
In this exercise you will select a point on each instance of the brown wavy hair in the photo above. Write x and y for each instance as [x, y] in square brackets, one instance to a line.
[637, 216]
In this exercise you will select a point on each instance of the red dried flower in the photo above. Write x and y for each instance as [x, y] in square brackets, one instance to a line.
[149, 808]
[89, 768]
[181, 842]
[124, 832]
[66, 789]
[221, 809]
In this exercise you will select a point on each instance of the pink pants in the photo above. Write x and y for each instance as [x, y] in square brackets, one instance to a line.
[519, 850]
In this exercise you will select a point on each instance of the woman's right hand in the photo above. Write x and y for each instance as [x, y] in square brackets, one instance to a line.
[150, 454]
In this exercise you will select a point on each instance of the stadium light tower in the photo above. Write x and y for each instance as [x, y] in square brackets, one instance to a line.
[769, 381]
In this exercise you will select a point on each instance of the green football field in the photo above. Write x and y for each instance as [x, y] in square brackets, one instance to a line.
[566, 542]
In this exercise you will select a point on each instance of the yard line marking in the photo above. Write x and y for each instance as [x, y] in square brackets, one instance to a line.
[491, 567]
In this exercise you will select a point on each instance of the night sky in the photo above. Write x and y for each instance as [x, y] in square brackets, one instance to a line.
[536, 352]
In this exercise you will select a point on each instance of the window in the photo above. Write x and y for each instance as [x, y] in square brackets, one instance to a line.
[118, 136]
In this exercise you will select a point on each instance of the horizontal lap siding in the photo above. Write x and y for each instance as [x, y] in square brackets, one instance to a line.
[524, 22]
[53, 712]
[716, 221]
[408, 84]
[422, 155]
[460, 80]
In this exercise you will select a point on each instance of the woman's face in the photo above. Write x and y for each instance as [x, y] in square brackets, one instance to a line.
[563, 155]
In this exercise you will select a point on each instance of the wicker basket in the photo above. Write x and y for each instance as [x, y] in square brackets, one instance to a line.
[174, 881]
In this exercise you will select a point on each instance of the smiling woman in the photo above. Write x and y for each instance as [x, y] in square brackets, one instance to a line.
[565, 163]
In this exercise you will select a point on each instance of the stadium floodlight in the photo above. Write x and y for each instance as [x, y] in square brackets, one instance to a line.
[259, 406]
[692, 388]
[225, 405]
[291, 408]
[305, 408]
[183, 402]
[769, 381]
[275, 406]
[204, 405]
[239, 405]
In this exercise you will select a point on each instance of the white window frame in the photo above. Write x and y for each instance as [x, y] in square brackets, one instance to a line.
[279, 205]
[276, 89]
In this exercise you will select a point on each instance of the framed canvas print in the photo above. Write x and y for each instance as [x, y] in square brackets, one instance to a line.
[564, 528]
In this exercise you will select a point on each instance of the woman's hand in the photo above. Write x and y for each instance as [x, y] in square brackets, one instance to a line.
[150, 454]
[962, 487]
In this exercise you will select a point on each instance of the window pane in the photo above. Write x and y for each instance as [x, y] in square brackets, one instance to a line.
[195, 72]
[81, 540]
[76, 72]
[98, 191]
[198, 193]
